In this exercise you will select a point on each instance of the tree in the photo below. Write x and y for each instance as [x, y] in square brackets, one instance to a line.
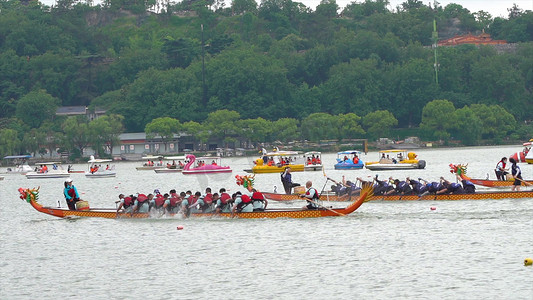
[77, 133]
[319, 126]
[285, 130]
[222, 123]
[164, 127]
[197, 130]
[497, 122]
[348, 126]
[9, 142]
[438, 118]
[379, 123]
[34, 140]
[36, 107]
[468, 126]
[256, 130]
[105, 132]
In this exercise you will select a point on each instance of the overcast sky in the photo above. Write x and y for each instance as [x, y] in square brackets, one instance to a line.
[497, 8]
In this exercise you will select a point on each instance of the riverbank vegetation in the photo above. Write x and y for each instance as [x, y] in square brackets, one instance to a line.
[275, 70]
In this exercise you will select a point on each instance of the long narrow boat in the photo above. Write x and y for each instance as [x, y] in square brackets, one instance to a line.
[475, 196]
[31, 196]
[461, 171]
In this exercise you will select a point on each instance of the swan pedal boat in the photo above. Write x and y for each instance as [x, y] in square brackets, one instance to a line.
[31, 196]
[475, 196]
[207, 168]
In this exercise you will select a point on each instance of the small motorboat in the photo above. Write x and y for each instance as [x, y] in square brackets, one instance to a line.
[48, 170]
[349, 160]
[205, 165]
[277, 161]
[313, 161]
[171, 166]
[396, 159]
[21, 166]
[151, 162]
[96, 170]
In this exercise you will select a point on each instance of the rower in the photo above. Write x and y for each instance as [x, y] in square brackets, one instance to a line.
[223, 204]
[450, 187]
[126, 203]
[141, 204]
[259, 202]
[243, 203]
[311, 196]
[418, 188]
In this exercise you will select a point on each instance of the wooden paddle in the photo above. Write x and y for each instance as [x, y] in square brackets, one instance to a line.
[319, 205]
[525, 182]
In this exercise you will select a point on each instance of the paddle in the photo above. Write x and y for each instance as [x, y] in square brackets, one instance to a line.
[525, 182]
[320, 205]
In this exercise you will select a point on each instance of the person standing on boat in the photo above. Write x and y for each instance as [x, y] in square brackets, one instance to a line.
[286, 179]
[311, 196]
[501, 171]
[517, 175]
[71, 194]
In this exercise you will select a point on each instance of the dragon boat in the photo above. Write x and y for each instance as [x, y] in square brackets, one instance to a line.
[461, 171]
[32, 195]
[475, 196]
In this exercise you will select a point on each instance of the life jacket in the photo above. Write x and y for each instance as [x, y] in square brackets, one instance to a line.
[355, 160]
[434, 187]
[127, 202]
[468, 187]
[159, 201]
[224, 198]
[174, 200]
[257, 196]
[208, 199]
[455, 188]
[245, 200]
[315, 196]
[503, 165]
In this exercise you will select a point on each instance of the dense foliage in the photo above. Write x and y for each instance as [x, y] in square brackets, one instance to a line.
[279, 69]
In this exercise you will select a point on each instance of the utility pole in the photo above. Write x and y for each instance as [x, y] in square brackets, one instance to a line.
[435, 37]
[204, 90]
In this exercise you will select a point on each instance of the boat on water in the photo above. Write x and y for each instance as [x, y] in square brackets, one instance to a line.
[397, 159]
[96, 170]
[171, 164]
[277, 161]
[461, 171]
[313, 161]
[475, 196]
[151, 162]
[520, 157]
[48, 170]
[349, 160]
[20, 164]
[529, 157]
[32, 195]
[205, 165]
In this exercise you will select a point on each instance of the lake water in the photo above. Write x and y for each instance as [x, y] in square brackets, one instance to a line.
[461, 250]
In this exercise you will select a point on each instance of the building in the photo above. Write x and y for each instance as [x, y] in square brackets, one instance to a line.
[80, 111]
[482, 39]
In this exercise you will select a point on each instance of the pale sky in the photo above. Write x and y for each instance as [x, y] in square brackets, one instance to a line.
[497, 8]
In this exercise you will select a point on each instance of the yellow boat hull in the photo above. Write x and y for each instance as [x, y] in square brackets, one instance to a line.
[276, 169]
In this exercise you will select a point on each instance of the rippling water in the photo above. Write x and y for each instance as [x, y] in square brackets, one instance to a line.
[461, 250]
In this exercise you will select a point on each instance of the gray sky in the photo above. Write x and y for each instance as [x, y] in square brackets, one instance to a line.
[497, 8]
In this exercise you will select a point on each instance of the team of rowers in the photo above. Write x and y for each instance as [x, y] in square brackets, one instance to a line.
[187, 202]
[408, 186]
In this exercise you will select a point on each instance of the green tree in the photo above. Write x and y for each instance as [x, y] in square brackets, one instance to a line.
[105, 132]
[9, 142]
[320, 126]
[36, 107]
[77, 134]
[197, 130]
[348, 126]
[223, 123]
[164, 127]
[256, 130]
[379, 123]
[497, 122]
[468, 126]
[33, 141]
[286, 130]
[438, 117]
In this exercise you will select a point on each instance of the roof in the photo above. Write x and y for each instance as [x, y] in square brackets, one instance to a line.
[349, 152]
[174, 157]
[281, 153]
[71, 110]
[393, 151]
[17, 156]
[96, 160]
[312, 153]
